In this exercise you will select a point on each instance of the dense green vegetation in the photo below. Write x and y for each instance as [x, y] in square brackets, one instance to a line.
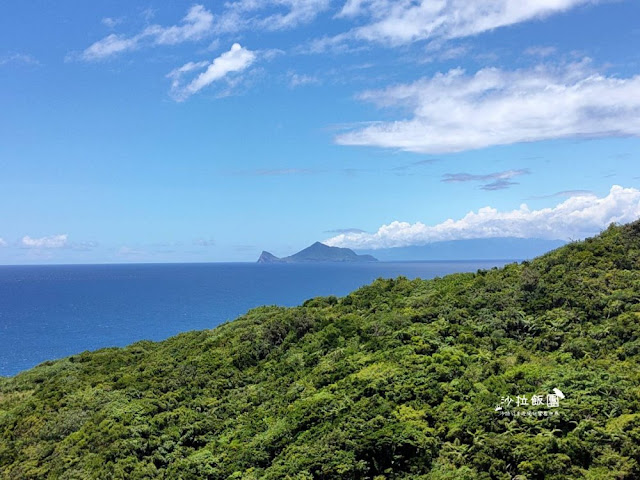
[397, 380]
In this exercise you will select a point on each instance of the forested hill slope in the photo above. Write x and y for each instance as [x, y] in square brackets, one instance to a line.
[398, 380]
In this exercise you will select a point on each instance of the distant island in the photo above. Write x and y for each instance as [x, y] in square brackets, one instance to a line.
[318, 253]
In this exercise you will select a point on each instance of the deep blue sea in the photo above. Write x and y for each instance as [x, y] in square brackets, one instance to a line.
[49, 312]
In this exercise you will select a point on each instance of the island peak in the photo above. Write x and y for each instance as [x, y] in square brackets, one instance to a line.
[318, 252]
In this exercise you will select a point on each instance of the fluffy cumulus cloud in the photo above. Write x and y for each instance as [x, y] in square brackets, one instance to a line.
[52, 241]
[196, 24]
[396, 22]
[236, 59]
[457, 111]
[577, 217]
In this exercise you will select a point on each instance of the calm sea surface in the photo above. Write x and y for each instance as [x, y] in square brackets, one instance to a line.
[48, 312]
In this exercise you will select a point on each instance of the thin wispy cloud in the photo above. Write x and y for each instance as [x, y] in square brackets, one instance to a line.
[452, 53]
[540, 51]
[499, 184]
[269, 15]
[491, 181]
[577, 217]
[275, 172]
[18, 59]
[199, 22]
[129, 252]
[426, 161]
[563, 193]
[412, 168]
[346, 230]
[299, 80]
[83, 246]
[196, 24]
[204, 242]
[235, 60]
[393, 23]
[111, 22]
[457, 111]
[3, 242]
[52, 241]
[386, 22]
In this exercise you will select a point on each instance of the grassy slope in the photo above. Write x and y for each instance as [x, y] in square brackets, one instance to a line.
[397, 380]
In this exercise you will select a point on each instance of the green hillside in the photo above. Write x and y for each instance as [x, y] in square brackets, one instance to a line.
[398, 380]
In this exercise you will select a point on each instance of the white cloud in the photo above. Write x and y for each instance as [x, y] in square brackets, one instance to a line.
[110, 45]
[259, 15]
[111, 22]
[577, 217]
[267, 15]
[346, 230]
[397, 22]
[540, 51]
[236, 59]
[83, 246]
[205, 242]
[19, 58]
[195, 25]
[3, 242]
[563, 193]
[455, 111]
[130, 253]
[452, 53]
[300, 79]
[494, 181]
[176, 74]
[53, 241]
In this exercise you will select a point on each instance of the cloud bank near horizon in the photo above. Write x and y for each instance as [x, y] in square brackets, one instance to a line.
[52, 241]
[577, 217]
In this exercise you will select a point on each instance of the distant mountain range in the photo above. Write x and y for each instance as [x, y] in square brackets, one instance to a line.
[474, 249]
[318, 253]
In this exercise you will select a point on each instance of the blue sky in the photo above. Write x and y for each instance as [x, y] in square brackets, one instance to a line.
[138, 131]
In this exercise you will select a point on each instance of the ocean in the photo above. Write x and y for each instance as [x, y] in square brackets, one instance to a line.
[49, 312]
